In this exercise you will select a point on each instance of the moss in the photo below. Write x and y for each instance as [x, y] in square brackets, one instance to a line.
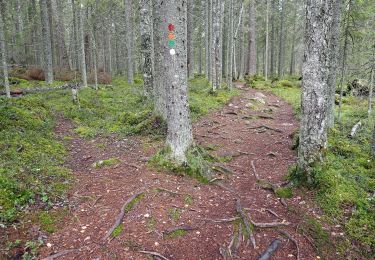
[117, 231]
[131, 205]
[49, 220]
[85, 131]
[284, 193]
[106, 163]
[176, 233]
[151, 224]
[285, 83]
[188, 199]
[174, 214]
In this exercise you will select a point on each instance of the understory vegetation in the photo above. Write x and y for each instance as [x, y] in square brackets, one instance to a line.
[345, 180]
[32, 174]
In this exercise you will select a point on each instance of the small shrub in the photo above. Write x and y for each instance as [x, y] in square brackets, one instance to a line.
[285, 83]
[35, 73]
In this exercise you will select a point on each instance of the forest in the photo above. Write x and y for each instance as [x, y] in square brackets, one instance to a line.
[187, 129]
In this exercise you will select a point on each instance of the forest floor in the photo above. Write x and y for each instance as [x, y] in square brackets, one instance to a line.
[179, 217]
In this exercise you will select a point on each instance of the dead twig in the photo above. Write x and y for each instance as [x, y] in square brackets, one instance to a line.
[121, 215]
[153, 254]
[270, 249]
[273, 213]
[291, 239]
[254, 170]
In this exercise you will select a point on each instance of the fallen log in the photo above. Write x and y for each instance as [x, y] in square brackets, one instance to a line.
[25, 91]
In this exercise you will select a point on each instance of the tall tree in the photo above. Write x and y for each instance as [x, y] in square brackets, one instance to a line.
[3, 54]
[47, 49]
[129, 40]
[207, 38]
[147, 45]
[190, 43]
[252, 57]
[281, 40]
[216, 44]
[82, 45]
[313, 132]
[160, 94]
[266, 49]
[179, 137]
[333, 60]
[273, 46]
[230, 48]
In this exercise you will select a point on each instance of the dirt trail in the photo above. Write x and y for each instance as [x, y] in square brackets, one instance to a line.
[99, 193]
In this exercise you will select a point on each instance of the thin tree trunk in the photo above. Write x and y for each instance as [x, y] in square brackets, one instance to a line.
[129, 40]
[208, 39]
[252, 58]
[334, 46]
[179, 137]
[48, 71]
[273, 48]
[292, 54]
[159, 34]
[313, 131]
[82, 46]
[281, 40]
[64, 57]
[94, 59]
[147, 46]
[230, 46]
[190, 43]
[371, 88]
[3, 55]
[266, 51]
[75, 37]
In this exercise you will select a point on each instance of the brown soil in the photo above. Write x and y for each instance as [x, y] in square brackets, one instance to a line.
[99, 193]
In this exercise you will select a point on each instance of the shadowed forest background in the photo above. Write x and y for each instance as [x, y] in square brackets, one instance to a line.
[181, 129]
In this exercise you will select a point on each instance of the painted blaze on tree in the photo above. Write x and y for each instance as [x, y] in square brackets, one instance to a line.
[179, 137]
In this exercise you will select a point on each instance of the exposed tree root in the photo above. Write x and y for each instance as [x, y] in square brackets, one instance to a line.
[266, 127]
[59, 254]
[291, 239]
[183, 227]
[246, 222]
[270, 249]
[273, 213]
[121, 215]
[222, 169]
[155, 254]
[224, 220]
[269, 224]
[168, 191]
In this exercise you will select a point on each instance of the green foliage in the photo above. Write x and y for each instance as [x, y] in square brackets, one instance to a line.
[284, 193]
[31, 170]
[131, 204]
[285, 83]
[188, 200]
[176, 233]
[174, 214]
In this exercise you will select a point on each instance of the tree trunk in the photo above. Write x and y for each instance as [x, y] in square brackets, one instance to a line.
[313, 131]
[129, 40]
[48, 71]
[3, 55]
[82, 46]
[266, 51]
[252, 58]
[273, 47]
[371, 89]
[147, 46]
[159, 65]
[75, 37]
[179, 137]
[64, 58]
[207, 38]
[334, 46]
[190, 43]
[281, 40]
[292, 54]
[230, 46]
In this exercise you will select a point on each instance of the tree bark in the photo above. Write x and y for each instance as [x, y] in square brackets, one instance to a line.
[3, 55]
[82, 46]
[48, 71]
[292, 53]
[229, 76]
[129, 40]
[207, 38]
[75, 37]
[147, 46]
[313, 131]
[179, 137]
[266, 51]
[281, 40]
[334, 46]
[190, 43]
[160, 94]
[273, 48]
[64, 58]
[252, 58]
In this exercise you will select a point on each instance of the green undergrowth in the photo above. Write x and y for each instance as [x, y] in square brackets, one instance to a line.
[31, 171]
[197, 163]
[345, 181]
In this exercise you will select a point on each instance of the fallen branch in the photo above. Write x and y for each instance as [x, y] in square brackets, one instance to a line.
[355, 129]
[245, 220]
[153, 254]
[59, 254]
[270, 249]
[291, 239]
[273, 213]
[121, 215]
